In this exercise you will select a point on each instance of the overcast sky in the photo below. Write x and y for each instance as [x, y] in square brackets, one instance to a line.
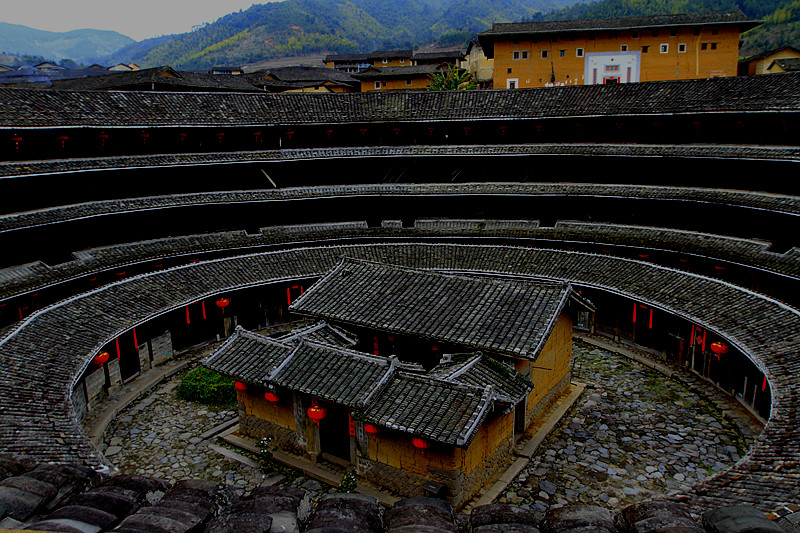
[138, 19]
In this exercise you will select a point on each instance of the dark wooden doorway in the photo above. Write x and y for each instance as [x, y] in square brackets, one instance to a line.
[334, 433]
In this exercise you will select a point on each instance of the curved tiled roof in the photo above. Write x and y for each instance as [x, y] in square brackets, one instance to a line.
[753, 253]
[44, 355]
[24, 108]
[59, 166]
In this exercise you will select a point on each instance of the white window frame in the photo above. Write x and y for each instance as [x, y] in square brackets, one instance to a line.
[377, 85]
[681, 48]
[544, 54]
[579, 52]
[384, 60]
[402, 59]
[663, 48]
[515, 55]
[623, 48]
[515, 81]
[408, 81]
[524, 55]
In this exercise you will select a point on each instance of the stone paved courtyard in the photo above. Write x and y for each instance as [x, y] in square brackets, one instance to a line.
[633, 434]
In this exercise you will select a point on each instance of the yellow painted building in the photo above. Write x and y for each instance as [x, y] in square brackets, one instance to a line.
[391, 58]
[621, 50]
[396, 78]
[761, 63]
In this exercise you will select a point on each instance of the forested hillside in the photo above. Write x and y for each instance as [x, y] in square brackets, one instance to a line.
[297, 27]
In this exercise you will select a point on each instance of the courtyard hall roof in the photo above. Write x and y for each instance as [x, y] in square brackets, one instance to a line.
[446, 406]
[31, 108]
[506, 316]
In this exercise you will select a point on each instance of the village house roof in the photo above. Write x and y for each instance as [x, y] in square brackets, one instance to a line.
[382, 73]
[788, 64]
[29, 108]
[444, 55]
[480, 370]
[390, 54]
[302, 74]
[439, 410]
[159, 77]
[507, 316]
[768, 53]
[446, 406]
[346, 57]
[321, 332]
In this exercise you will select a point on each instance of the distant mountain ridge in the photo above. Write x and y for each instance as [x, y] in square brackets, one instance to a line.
[83, 46]
[298, 27]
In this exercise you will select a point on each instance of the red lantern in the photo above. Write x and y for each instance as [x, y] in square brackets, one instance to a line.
[101, 358]
[222, 303]
[371, 429]
[316, 413]
[240, 386]
[719, 348]
[422, 444]
[271, 396]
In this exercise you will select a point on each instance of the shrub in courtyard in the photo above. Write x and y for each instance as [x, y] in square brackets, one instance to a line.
[201, 385]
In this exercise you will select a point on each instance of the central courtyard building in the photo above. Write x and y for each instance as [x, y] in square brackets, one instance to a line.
[422, 381]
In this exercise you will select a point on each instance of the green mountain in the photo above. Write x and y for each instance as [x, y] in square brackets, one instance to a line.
[298, 27]
[781, 17]
[83, 46]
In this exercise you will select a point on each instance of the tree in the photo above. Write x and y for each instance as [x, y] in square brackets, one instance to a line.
[451, 79]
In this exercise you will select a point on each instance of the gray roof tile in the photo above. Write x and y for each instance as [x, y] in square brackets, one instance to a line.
[511, 317]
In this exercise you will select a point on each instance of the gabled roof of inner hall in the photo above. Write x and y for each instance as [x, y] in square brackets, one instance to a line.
[507, 316]
[447, 405]
[31, 108]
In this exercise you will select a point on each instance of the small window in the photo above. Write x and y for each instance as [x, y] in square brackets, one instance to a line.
[515, 55]
[515, 43]
[623, 48]
[579, 52]
[696, 31]
[524, 54]
[635, 34]
[654, 33]
[682, 48]
[703, 46]
[562, 53]
[402, 60]
[384, 60]
[408, 82]
[591, 36]
[664, 48]
[554, 39]
[612, 68]
[715, 32]
[673, 32]
[713, 46]
[645, 49]
[508, 71]
[544, 54]
[377, 85]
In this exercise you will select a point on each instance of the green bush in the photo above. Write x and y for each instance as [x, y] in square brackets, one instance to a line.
[201, 385]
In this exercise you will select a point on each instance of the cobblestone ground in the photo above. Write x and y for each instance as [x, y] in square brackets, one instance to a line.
[632, 435]
[159, 436]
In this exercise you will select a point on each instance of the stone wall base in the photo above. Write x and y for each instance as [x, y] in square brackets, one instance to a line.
[282, 438]
[548, 400]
